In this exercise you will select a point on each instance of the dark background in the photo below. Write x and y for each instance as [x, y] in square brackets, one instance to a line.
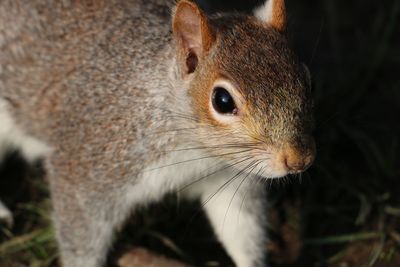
[345, 211]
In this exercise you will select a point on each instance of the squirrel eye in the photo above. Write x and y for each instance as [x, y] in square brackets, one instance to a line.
[223, 102]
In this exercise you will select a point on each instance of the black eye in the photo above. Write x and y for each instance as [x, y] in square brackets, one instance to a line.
[223, 102]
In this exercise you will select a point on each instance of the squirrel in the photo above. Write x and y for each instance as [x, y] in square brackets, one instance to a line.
[127, 101]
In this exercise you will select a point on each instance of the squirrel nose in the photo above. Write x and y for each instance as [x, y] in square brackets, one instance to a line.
[296, 161]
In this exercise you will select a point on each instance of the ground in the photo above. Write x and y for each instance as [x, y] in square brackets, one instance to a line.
[345, 211]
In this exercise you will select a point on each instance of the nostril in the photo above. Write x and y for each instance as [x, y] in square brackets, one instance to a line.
[295, 164]
[285, 162]
[297, 167]
[295, 160]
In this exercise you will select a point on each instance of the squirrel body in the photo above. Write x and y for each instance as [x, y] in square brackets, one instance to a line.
[126, 106]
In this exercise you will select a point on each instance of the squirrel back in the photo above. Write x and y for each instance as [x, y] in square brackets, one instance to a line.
[135, 104]
[93, 78]
[84, 72]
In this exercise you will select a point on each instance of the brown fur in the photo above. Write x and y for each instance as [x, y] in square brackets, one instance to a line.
[106, 85]
[279, 15]
[273, 78]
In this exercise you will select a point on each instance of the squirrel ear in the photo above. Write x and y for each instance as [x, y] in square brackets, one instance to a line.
[272, 12]
[192, 33]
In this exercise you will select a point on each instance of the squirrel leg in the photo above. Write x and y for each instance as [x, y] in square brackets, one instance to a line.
[84, 222]
[237, 214]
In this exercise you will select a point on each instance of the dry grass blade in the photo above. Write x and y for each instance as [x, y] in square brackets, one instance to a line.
[27, 241]
[344, 238]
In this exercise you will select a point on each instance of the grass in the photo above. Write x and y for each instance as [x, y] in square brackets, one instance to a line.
[346, 209]
[356, 177]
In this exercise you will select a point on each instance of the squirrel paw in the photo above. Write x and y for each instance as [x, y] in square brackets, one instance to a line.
[6, 215]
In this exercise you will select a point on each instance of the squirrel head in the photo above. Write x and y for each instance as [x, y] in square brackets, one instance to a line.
[249, 94]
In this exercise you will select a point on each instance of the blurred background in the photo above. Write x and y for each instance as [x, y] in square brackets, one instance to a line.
[345, 211]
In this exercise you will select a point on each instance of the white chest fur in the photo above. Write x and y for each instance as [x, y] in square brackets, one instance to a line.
[12, 137]
[175, 172]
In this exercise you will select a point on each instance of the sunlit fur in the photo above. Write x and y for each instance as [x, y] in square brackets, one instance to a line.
[5, 214]
[12, 137]
[272, 12]
[277, 108]
[104, 84]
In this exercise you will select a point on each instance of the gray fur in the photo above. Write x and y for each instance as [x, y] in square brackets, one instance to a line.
[98, 82]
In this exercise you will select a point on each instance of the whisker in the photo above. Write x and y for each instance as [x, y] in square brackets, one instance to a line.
[203, 204]
[224, 146]
[208, 175]
[196, 159]
[259, 172]
[226, 184]
[237, 189]
[218, 190]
